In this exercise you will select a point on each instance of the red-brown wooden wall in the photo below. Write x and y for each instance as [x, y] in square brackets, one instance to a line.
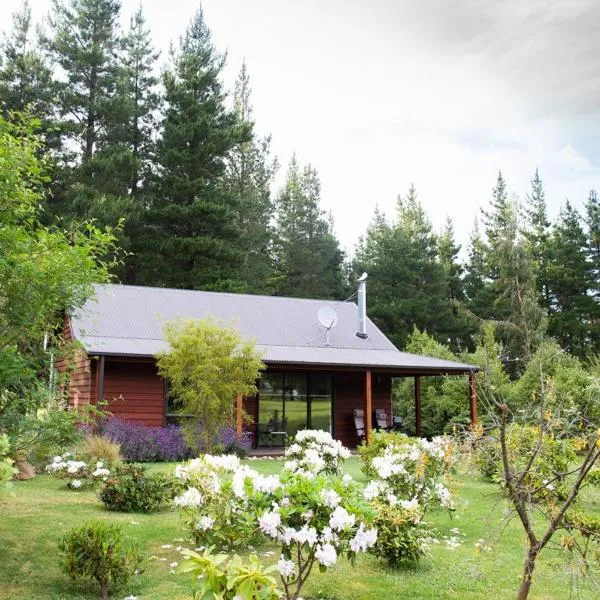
[134, 391]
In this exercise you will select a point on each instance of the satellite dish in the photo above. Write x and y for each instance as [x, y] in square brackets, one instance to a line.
[327, 318]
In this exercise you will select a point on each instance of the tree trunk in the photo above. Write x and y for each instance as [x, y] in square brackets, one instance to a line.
[103, 591]
[523, 592]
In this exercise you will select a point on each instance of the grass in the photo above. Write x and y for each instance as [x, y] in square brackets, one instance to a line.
[36, 513]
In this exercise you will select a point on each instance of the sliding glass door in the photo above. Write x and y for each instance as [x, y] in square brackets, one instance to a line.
[288, 403]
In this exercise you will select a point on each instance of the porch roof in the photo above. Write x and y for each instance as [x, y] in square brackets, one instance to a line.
[128, 321]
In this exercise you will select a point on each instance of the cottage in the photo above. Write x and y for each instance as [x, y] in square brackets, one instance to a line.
[324, 359]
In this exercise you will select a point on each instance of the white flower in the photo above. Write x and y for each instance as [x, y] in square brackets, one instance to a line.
[166, 546]
[73, 466]
[392, 499]
[100, 472]
[191, 497]
[130, 598]
[181, 472]
[444, 496]
[306, 535]
[346, 479]
[205, 522]
[269, 522]
[76, 483]
[372, 490]
[99, 465]
[308, 515]
[227, 462]
[57, 459]
[290, 465]
[364, 539]
[410, 505]
[330, 498]
[294, 449]
[340, 519]
[326, 555]
[266, 484]
[173, 564]
[286, 567]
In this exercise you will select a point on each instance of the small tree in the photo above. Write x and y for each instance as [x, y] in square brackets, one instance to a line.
[207, 366]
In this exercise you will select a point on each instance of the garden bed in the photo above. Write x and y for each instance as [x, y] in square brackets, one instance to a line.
[36, 513]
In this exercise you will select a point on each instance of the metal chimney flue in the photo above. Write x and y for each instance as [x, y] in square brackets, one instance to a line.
[362, 307]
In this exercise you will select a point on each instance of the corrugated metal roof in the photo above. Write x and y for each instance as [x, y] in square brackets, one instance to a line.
[128, 320]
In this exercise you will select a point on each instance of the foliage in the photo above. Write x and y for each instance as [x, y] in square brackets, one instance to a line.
[215, 504]
[130, 488]
[97, 551]
[6, 468]
[315, 451]
[308, 257]
[379, 441]
[141, 443]
[216, 577]
[400, 538]
[99, 447]
[207, 366]
[408, 472]
[79, 473]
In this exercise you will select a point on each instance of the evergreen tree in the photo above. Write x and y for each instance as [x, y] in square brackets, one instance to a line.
[448, 251]
[592, 209]
[191, 237]
[309, 262]
[570, 279]
[477, 284]
[536, 232]
[85, 44]
[248, 178]
[408, 286]
[26, 81]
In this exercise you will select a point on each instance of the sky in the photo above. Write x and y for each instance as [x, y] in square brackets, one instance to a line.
[379, 94]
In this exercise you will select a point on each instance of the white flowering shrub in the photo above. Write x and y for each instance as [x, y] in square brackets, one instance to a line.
[407, 480]
[216, 500]
[315, 519]
[315, 451]
[78, 473]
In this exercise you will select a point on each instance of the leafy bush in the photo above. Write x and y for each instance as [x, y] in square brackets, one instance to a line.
[315, 451]
[215, 503]
[376, 447]
[218, 576]
[79, 473]
[99, 447]
[400, 535]
[131, 489]
[543, 479]
[97, 551]
[6, 468]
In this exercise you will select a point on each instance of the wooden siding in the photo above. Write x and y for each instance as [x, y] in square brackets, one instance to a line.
[251, 413]
[349, 393]
[134, 391]
[78, 370]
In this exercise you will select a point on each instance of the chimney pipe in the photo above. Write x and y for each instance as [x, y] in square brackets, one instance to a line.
[362, 307]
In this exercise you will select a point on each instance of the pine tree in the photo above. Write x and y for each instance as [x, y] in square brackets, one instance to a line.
[477, 283]
[26, 81]
[570, 279]
[408, 286]
[190, 235]
[592, 209]
[536, 232]
[248, 178]
[309, 262]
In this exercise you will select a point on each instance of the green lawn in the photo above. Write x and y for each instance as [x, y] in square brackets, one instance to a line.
[37, 512]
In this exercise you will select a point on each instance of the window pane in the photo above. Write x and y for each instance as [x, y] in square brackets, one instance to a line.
[270, 410]
[320, 402]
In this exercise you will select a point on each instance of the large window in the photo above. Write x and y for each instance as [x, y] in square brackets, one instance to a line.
[288, 403]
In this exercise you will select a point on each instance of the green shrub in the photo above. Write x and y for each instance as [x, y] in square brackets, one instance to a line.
[218, 576]
[399, 536]
[6, 464]
[97, 551]
[554, 458]
[131, 489]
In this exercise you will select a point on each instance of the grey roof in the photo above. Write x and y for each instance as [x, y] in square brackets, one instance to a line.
[128, 320]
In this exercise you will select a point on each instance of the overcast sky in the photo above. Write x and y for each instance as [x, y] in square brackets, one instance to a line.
[443, 93]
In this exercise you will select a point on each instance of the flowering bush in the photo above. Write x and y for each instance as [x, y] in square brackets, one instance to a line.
[215, 502]
[314, 517]
[409, 474]
[78, 472]
[142, 443]
[131, 489]
[407, 482]
[218, 576]
[315, 451]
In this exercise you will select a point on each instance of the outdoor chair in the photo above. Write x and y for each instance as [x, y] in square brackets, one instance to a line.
[359, 422]
[397, 424]
[381, 420]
